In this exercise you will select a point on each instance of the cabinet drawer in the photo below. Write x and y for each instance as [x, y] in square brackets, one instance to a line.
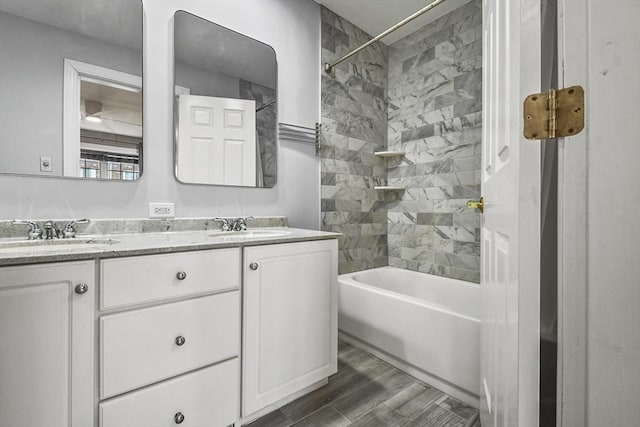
[141, 347]
[209, 397]
[135, 280]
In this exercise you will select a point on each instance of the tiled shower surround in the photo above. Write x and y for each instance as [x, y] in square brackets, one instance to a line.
[435, 105]
[354, 125]
[433, 86]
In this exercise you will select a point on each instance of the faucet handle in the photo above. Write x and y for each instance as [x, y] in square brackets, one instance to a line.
[225, 223]
[69, 231]
[35, 232]
[240, 224]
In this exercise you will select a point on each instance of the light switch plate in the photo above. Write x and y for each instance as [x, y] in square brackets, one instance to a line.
[162, 210]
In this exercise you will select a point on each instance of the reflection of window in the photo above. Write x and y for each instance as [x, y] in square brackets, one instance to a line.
[108, 156]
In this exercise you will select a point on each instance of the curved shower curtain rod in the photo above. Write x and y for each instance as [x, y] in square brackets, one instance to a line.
[329, 67]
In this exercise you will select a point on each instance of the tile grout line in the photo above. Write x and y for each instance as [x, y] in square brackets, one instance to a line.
[342, 415]
[310, 414]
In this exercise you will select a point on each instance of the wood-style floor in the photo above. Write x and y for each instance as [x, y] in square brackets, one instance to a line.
[369, 392]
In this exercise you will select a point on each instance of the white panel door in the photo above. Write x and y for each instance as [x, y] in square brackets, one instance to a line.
[216, 140]
[290, 320]
[599, 339]
[46, 345]
[510, 230]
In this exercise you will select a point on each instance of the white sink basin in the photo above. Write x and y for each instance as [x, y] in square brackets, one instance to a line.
[248, 234]
[55, 244]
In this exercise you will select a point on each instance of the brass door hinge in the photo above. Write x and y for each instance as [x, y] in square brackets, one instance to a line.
[554, 114]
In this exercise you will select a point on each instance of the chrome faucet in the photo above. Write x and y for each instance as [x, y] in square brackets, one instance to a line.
[51, 230]
[226, 226]
[240, 224]
[69, 231]
[234, 224]
[35, 232]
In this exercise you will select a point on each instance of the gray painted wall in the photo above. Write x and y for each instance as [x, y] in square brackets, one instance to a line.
[292, 27]
[206, 83]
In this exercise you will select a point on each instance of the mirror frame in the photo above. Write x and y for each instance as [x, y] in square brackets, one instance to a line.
[175, 109]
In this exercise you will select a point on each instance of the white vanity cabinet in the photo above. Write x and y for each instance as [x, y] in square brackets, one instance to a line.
[290, 320]
[47, 345]
[170, 341]
[198, 338]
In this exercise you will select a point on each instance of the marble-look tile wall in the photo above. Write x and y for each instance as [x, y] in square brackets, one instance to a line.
[354, 125]
[266, 124]
[435, 103]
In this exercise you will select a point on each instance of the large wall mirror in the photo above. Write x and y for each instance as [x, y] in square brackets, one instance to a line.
[225, 106]
[71, 88]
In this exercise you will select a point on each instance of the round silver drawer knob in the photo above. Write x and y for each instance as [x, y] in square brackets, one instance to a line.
[253, 266]
[81, 288]
[178, 417]
[180, 341]
[181, 275]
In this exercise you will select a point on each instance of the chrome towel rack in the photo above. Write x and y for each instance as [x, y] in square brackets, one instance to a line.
[302, 134]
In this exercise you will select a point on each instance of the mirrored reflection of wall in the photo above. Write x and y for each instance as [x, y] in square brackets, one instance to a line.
[265, 127]
[35, 43]
[219, 74]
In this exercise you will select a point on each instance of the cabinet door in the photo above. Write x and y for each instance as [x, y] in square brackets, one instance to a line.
[46, 336]
[290, 320]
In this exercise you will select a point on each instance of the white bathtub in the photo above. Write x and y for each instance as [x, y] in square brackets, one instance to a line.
[425, 325]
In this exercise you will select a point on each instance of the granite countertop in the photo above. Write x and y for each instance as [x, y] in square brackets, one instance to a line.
[16, 251]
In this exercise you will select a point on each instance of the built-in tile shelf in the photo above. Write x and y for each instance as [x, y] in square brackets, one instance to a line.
[389, 188]
[389, 153]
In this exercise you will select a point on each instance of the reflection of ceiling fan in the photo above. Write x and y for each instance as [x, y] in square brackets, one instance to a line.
[95, 116]
[92, 111]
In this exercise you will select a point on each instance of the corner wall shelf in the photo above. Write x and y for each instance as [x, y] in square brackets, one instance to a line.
[389, 187]
[389, 153]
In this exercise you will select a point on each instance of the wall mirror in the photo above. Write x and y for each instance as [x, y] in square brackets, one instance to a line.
[225, 108]
[71, 85]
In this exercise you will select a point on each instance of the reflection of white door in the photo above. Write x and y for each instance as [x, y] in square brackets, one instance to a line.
[216, 140]
[510, 230]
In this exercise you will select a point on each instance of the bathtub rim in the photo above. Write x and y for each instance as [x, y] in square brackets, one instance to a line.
[348, 279]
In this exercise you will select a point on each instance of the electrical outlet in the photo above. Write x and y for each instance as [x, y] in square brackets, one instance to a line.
[162, 210]
[45, 164]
